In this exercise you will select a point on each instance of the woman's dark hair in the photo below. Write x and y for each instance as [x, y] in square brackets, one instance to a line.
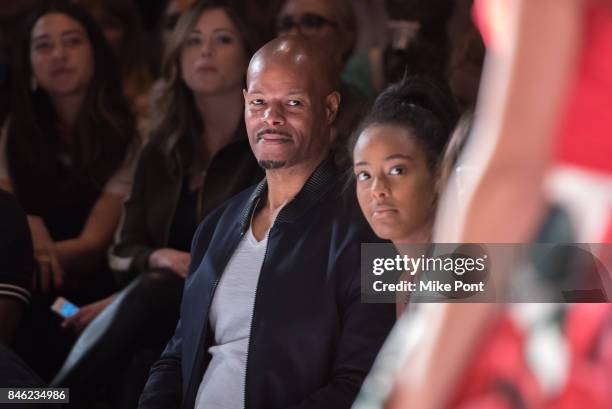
[133, 55]
[176, 122]
[424, 106]
[105, 128]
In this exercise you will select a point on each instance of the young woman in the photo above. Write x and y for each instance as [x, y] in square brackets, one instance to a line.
[198, 157]
[199, 154]
[65, 150]
[397, 155]
[395, 158]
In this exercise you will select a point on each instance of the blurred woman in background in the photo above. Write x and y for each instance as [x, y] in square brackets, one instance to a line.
[197, 157]
[66, 144]
[67, 149]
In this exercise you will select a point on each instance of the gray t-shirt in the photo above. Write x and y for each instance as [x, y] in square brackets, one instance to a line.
[223, 384]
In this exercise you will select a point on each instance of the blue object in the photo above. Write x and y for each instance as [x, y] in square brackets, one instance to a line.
[68, 309]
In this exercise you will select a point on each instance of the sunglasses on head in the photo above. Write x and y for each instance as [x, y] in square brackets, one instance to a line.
[306, 24]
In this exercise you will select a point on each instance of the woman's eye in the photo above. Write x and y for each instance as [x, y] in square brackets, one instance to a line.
[361, 176]
[396, 170]
[42, 46]
[224, 39]
[191, 41]
[72, 41]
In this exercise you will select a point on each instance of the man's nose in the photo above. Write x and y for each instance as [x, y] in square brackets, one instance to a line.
[273, 115]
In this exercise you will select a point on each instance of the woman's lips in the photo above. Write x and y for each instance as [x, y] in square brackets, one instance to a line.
[61, 71]
[207, 69]
[383, 211]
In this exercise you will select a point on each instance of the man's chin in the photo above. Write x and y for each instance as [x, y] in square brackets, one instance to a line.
[272, 164]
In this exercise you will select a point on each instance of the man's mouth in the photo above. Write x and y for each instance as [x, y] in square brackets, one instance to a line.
[272, 137]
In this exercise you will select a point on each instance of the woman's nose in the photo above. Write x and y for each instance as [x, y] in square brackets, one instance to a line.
[380, 187]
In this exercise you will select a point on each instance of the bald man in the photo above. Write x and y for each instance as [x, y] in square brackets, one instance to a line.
[271, 314]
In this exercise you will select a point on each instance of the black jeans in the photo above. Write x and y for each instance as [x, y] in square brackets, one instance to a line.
[114, 353]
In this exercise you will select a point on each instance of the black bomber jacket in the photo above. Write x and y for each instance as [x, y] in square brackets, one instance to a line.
[312, 341]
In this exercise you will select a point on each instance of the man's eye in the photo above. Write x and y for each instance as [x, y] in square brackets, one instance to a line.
[361, 176]
[257, 101]
[294, 103]
[396, 170]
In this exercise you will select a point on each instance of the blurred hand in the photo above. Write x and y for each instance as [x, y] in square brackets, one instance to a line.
[175, 260]
[51, 274]
[79, 321]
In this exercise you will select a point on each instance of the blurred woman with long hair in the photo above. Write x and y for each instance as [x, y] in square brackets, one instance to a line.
[197, 157]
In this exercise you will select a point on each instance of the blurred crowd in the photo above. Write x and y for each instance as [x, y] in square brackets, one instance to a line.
[127, 126]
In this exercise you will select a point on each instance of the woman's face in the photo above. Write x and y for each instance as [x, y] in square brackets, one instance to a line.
[61, 55]
[395, 186]
[213, 58]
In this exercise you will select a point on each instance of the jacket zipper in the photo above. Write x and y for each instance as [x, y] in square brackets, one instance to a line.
[201, 344]
[252, 325]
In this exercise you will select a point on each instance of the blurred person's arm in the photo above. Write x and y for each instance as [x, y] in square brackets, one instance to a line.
[133, 246]
[525, 81]
[16, 266]
[51, 273]
[11, 311]
[86, 252]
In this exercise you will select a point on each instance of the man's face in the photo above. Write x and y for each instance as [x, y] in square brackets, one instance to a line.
[287, 116]
[313, 19]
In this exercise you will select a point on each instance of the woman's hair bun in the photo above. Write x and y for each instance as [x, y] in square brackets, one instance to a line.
[422, 104]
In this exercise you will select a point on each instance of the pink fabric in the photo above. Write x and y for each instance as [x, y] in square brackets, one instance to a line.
[585, 133]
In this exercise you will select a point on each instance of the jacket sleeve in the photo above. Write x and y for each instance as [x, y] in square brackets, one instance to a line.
[164, 388]
[129, 254]
[364, 329]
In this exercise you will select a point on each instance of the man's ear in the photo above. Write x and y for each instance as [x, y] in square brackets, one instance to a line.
[244, 94]
[332, 102]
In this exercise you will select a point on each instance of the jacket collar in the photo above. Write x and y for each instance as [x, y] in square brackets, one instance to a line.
[317, 185]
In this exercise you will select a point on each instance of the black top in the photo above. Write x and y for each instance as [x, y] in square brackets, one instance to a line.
[185, 220]
[16, 254]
